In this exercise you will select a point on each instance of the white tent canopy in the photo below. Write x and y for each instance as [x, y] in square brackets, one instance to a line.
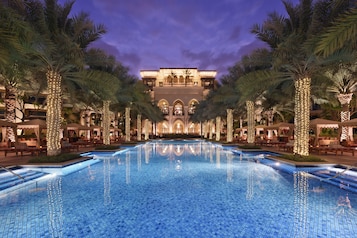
[36, 124]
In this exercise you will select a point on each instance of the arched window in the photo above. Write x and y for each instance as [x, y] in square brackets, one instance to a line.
[164, 106]
[192, 107]
[178, 109]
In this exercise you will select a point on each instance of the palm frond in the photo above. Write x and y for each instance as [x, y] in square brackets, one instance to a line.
[344, 31]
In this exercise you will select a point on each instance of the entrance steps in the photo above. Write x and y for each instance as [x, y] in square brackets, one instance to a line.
[345, 178]
[14, 176]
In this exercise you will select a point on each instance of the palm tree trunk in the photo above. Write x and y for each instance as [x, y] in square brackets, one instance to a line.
[218, 128]
[138, 125]
[302, 116]
[345, 100]
[127, 124]
[251, 122]
[205, 130]
[53, 115]
[10, 114]
[229, 125]
[345, 130]
[210, 135]
[106, 123]
[146, 126]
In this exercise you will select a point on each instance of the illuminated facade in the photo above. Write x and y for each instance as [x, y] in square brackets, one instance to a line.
[177, 91]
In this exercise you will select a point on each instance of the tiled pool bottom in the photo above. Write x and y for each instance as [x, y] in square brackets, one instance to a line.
[194, 194]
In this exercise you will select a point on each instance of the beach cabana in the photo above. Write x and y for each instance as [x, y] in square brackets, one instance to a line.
[95, 132]
[282, 130]
[73, 130]
[318, 125]
[37, 125]
[350, 123]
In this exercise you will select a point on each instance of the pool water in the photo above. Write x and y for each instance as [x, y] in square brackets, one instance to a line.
[178, 189]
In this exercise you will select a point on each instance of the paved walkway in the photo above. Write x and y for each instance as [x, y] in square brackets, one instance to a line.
[13, 160]
[347, 159]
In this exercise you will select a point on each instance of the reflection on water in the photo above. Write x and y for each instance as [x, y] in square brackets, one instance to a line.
[344, 206]
[178, 165]
[211, 151]
[188, 190]
[301, 190]
[147, 149]
[218, 157]
[91, 173]
[127, 168]
[250, 184]
[229, 167]
[107, 184]
[139, 158]
[55, 206]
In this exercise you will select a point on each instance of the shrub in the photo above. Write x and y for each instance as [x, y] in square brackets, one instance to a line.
[249, 146]
[299, 158]
[54, 159]
[107, 147]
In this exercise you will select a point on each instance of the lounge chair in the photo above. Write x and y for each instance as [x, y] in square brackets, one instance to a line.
[289, 146]
[68, 147]
[23, 148]
[334, 148]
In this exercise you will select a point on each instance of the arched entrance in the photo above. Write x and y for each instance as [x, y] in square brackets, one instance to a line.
[178, 127]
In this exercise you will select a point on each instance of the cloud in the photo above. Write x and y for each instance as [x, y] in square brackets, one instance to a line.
[128, 59]
[236, 33]
[151, 34]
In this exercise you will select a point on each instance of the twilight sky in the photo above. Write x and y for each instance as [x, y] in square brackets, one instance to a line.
[154, 34]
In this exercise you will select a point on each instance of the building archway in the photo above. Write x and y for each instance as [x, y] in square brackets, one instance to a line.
[163, 128]
[178, 127]
[194, 128]
[164, 106]
[192, 106]
[178, 108]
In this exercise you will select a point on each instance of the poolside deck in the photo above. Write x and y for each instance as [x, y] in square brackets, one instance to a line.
[15, 160]
[346, 159]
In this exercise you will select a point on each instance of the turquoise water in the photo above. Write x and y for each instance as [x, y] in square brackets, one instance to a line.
[178, 189]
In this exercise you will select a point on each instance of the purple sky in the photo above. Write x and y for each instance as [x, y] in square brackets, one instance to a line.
[203, 34]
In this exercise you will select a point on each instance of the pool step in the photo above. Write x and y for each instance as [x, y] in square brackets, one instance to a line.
[8, 179]
[341, 178]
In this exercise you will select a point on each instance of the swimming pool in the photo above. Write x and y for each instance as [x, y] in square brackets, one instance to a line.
[178, 189]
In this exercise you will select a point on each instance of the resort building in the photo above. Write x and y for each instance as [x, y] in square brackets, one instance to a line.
[177, 91]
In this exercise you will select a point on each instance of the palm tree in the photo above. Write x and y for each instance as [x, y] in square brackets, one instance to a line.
[256, 65]
[143, 106]
[225, 100]
[342, 33]
[60, 49]
[220, 102]
[14, 33]
[344, 85]
[288, 39]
